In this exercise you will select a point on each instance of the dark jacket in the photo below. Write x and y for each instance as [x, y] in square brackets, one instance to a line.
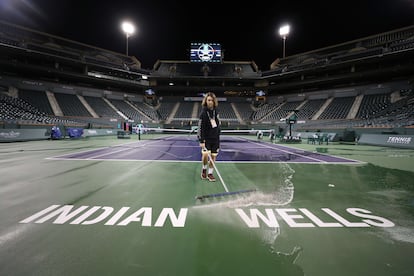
[205, 131]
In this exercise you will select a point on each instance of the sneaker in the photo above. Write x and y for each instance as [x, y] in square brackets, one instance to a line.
[204, 174]
[210, 177]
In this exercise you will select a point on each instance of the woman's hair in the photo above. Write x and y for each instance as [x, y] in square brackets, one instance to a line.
[210, 94]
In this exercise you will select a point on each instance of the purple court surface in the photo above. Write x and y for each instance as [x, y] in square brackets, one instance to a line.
[179, 148]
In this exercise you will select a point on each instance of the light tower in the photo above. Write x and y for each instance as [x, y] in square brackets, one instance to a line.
[284, 32]
[128, 29]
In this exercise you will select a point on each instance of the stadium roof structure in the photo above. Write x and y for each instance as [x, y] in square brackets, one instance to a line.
[381, 57]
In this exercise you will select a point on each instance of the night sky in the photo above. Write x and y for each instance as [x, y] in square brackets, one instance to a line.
[247, 31]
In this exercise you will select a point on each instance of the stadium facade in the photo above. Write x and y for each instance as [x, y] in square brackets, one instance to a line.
[364, 85]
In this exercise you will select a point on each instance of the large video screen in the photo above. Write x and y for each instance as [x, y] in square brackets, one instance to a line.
[205, 52]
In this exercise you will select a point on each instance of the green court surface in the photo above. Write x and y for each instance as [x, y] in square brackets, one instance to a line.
[126, 217]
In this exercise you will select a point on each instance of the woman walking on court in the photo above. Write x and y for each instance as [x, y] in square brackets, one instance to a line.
[209, 135]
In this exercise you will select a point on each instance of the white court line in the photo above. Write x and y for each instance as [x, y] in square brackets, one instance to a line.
[218, 173]
[198, 161]
[108, 153]
[293, 148]
[285, 151]
[62, 157]
[98, 149]
[121, 150]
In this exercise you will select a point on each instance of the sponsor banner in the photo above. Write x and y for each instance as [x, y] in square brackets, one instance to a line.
[200, 99]
[98, 132]
[14, 135]
[392, 140]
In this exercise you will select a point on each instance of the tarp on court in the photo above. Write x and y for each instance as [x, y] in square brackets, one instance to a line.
[75, 132]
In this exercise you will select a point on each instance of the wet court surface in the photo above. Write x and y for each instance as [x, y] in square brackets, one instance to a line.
[106, 206]
[234, 149]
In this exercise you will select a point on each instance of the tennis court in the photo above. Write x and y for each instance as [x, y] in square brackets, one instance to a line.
[106, 206]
